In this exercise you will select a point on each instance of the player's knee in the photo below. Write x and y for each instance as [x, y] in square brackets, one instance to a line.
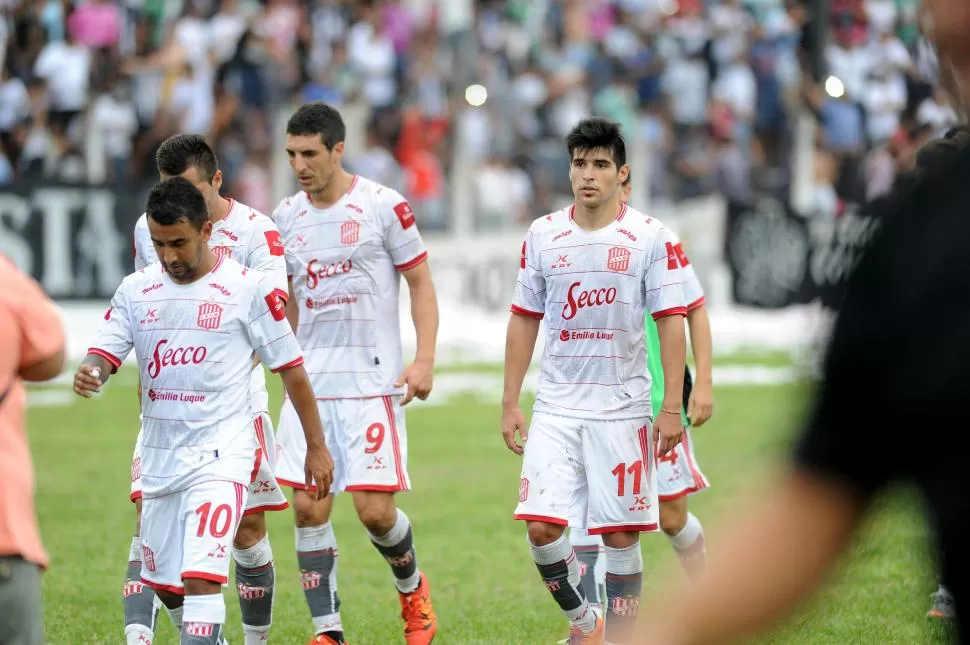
[251, 530]
[673, 517]
[621, 539]
[200, 587]
[169, 599]
[543, 533]
[308, 511]
[376, 511]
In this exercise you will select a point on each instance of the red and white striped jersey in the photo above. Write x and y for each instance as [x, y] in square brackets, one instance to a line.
[194, 344]
[345, 263]
[693, 291]
[593, 289]
[251, 239]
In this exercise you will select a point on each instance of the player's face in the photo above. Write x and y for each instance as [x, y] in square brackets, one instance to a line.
[180, 247]
[313, 165]
[595, 177]
[209, 190]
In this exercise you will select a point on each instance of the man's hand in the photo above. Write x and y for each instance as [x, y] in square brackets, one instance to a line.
[667, 430]
[700, 406]
[319, 470]
[87, 380]
[513, 420]
[419, 377]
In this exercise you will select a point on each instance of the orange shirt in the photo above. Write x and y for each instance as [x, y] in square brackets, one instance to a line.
[30, 331]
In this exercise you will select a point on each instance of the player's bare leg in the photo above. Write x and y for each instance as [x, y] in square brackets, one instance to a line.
[200, 614]
[255, 577]
[317, 556]
[685, 533]
[559, 567]
[624, 582]
[390, 532]
[139, 600]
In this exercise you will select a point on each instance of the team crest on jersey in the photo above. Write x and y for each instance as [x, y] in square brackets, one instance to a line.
[618, 259]
[222, 251]
[210, 315]
[350, 232]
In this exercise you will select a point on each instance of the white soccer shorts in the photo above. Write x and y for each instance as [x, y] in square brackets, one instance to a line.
[678, 473]
[264, 492]
[597, 475]
[189, 534]
[367, 439]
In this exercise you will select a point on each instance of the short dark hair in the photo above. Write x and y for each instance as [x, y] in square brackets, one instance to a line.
[596, 132]
[175, 199]
[318, 118]
[180, 152]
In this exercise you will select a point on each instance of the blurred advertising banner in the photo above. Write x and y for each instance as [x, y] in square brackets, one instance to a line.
[76, 240]
[778, 257]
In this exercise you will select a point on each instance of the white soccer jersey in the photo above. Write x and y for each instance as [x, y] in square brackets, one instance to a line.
[251, 239]
[593, 289]
[194, 344]
[345, 263]
[693, 291]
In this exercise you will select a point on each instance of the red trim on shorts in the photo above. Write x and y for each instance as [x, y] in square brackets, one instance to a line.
[699, 482]
[526, 312]
[294, 485]
[621, 528]
[402, 482]
[410, 264]
[202, 575]
[697, 303]
[179, 591]
[266, 508]
[260, 448]
[240, 491]
[290, 365]
[678, 495]
[376, 488]
[526, 517]
[673, 311]
[134, 497]
[111, 358]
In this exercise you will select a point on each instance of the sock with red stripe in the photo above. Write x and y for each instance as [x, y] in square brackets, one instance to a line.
[624, 581]
[559, 568]
[141, 609]
[588, 549]
[255, 579]
[318, 557]
[397, 547]
[202, 619]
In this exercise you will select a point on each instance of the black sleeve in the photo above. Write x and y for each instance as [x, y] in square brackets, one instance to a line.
[899, 354]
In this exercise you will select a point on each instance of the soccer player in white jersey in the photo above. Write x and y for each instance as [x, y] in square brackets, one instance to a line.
[592, 271]
[195, 321]
[348, 240]
[251, 239]
[678, 473]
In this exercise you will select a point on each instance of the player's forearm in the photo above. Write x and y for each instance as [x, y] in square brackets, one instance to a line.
[520, 342]
[673, 357]
[762, 568]
[292, 310]
[424, 313]
[701, 343]
[298, 388]
[101, 363]
[46, 368]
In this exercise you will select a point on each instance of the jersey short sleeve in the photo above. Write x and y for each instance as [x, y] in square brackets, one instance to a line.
[282, 218]
[270, 333]
[115, 339]
[140, 238]
[529, 297]
[266, 252]
[663, 278]
[693, 291]
[401, 237]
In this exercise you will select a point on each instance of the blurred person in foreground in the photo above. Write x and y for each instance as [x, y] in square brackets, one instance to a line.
[31, 349]
[910, 369]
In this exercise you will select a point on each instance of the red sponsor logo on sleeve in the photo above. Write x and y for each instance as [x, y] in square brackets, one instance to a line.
[275, 242]
[107, 314]
[276, 301]
[522, 261]
[404, 215]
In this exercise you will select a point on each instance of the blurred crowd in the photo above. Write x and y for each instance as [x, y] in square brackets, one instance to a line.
[710, 90]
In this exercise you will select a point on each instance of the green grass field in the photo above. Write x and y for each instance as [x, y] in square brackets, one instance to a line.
[465, 481]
